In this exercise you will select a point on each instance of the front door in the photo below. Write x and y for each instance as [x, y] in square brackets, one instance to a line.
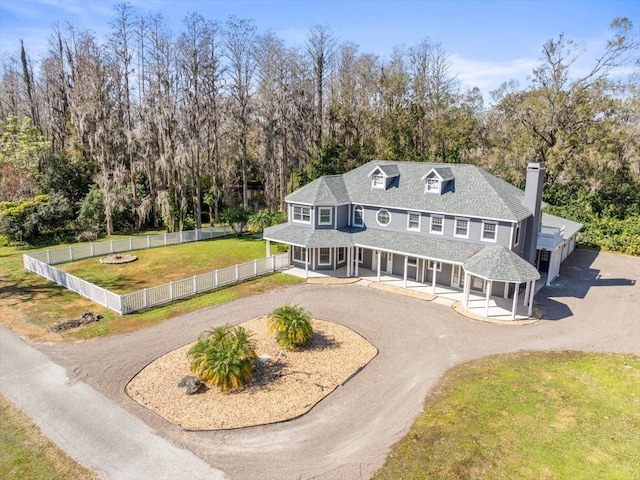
[389, 266]
[457, 276]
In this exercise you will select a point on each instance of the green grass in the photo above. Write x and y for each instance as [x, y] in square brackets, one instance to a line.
[157, 266]
[25, 453]
[29, 303]
[563, 415]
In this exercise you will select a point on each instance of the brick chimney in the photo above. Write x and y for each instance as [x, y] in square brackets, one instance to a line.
[532, 201]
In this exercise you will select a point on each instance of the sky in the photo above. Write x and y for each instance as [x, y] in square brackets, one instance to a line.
[488, 41]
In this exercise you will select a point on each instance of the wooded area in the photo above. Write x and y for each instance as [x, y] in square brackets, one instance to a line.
[147, 128]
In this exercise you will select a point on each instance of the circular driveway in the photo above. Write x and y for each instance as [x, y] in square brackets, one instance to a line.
[592, 306]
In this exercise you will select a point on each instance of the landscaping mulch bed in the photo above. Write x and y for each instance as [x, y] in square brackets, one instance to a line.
[285, 386]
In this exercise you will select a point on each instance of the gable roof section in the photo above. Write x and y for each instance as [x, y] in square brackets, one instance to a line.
[389, 170]
[500, 264]
[444, 173]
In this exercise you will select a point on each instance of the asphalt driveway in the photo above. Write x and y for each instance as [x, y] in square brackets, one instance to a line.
[592, 306]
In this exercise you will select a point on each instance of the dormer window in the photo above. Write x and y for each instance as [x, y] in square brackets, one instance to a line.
[378, 181]
[433, 184]
[383, 176]
[438, 180]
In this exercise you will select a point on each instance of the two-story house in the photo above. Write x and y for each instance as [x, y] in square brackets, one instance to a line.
[448, 224]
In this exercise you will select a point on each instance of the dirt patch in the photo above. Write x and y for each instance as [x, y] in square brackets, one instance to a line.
[286, 384]
[118, 258]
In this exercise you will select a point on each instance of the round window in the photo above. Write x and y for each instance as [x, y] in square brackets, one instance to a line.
[383, 217]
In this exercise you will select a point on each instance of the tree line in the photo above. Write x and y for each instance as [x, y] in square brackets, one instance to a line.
[148, 128]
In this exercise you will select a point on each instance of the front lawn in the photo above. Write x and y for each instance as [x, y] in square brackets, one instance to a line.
[562, 415]
[30, 303]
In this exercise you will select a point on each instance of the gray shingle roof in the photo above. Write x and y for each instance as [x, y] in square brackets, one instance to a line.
[327, 190]
[475, 192]
[569, 228]
[498, 263]
[307, 237]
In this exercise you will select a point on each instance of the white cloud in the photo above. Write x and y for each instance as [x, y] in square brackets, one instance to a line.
[487, 75]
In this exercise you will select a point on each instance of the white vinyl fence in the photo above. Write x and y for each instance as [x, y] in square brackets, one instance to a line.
[41, 264]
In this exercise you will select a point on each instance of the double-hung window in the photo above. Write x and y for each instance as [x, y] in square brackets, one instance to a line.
[324, 215]
[324, 256]
[301, 214]
[412, 262]
[341, 251]
[413, 221]
[437, 265]
[437, 224]
[489, 231]
[378, 181]
[462, 228]
[358, 216]
[299, 254]
[516, 235]
[433, 185]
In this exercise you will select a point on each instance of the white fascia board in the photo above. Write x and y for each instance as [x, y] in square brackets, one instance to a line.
[397, 252]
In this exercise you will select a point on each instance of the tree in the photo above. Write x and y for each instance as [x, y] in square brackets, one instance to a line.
[236, 217]
[292, 326]
[240, 37]
[223, 357]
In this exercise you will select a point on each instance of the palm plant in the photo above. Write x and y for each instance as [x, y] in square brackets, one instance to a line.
[292, 326]
[223, 357]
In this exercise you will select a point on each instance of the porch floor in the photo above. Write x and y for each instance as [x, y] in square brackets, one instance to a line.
[499, 307]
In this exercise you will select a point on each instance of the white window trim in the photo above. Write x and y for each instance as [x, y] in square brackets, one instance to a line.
[360, 255]
[431, 230]
[361, 208]
[455, 228]
[409, 221]
[516, 234]
[438, 265]
[376, 176]
[303, 253]
[388, 213]
[320, 256]
[320, 222]
[341, 254]
[437, 185]
[412, 261]
[495, 232]
[302, 209]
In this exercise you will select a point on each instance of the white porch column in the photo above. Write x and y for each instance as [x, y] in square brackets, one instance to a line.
[465, 295]
[268, 248]
[532, 293]
[514, 307]
[433, 280]
[486, 299]
[526, 294]
[379, 263]
[506, 290]
[313, 259]
[406, 262]
[306, 262]
[335, 257]
[349, 260]
[356, 256]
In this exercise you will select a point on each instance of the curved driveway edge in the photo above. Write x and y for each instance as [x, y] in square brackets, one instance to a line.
[592, 307]
[89, 427]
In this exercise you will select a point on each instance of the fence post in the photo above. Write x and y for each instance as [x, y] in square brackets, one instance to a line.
[197, 230]
[71, 253]
[255, 268]
[121, 312]
[148, 242]
[195, 284]
[180, 236]
[171, 290]
[48, 257]
[237, 273]
[130, 243]
[93, 253]
[165, 238]
[110, 246]
[273, 263]
[144, 296]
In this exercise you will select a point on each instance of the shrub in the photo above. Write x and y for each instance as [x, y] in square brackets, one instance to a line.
[236, 217]
[223, 357]
[292, 326]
